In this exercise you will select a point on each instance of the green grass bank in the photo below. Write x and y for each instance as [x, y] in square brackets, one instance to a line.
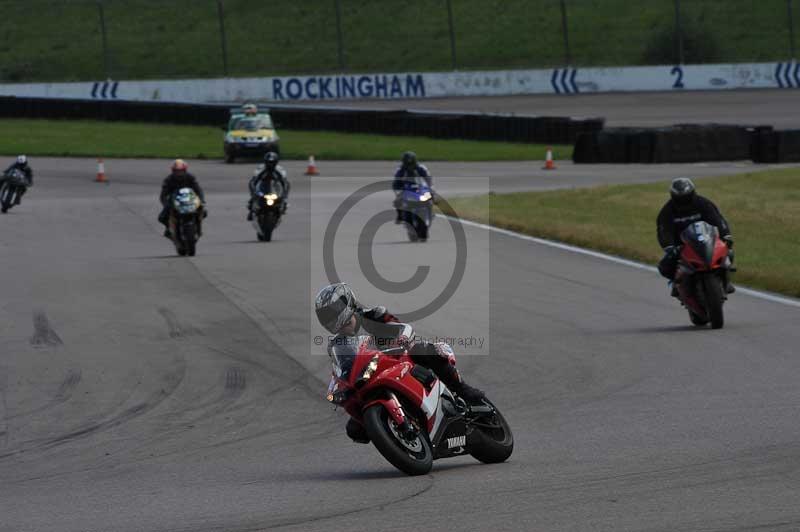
[85, 138]
[61, 40]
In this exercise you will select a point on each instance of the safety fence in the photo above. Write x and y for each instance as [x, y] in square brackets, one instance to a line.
[473, 126]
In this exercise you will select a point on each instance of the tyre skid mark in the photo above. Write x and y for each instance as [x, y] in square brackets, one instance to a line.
[176, 330]
[43, 333]
[171, 382]
[62, 395]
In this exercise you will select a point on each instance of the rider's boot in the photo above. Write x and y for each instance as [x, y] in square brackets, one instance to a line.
[673, 289]
[452, 379]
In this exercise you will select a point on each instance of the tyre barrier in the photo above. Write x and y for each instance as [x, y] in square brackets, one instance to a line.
[684, 144]
[777, 146]
[471, 126]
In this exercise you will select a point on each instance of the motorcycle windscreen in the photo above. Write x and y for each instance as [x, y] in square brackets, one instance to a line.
[343, 353]
[269, 186]
[701, 236]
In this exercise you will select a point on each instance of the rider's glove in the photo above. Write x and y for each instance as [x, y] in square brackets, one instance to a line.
[728, 239]
[671, 251]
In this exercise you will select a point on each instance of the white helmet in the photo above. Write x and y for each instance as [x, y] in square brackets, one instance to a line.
[22, 159]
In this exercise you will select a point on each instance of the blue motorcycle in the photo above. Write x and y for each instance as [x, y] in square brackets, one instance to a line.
[415, 202]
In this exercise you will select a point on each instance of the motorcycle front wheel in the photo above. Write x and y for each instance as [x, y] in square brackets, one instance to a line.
[714, 296]
[411, 456]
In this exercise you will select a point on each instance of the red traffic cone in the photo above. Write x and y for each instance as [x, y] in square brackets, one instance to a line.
[312, 166]
[548, 161]
[101, 171]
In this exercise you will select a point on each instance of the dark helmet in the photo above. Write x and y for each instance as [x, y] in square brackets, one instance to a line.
[335, 305]
[409, 159]
[270, 160]
[682, 191]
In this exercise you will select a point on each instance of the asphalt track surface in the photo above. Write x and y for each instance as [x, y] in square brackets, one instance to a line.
[142, 391]
[775, 107]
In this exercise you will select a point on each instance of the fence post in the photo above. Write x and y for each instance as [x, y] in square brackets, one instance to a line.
[102, 15]
[678, 33]
[223, 38]
[791, 29]
[452, 34]
[567, 54]
[339, 43]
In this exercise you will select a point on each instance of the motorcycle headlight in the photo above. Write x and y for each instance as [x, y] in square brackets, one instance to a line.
[370, 369]
[425, 197]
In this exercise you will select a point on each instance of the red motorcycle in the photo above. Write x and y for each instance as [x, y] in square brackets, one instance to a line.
[703, 268]
[409, 415]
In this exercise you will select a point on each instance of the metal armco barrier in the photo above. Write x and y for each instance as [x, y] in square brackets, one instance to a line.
[472, 126]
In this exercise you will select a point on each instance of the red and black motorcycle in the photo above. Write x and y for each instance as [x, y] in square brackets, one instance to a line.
[703, 268]
[409, 415]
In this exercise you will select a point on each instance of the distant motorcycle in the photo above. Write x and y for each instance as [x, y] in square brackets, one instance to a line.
[185, 218]
[409, 415]
[703, 267]
[267, 209]
[415, 202]
[13, 183]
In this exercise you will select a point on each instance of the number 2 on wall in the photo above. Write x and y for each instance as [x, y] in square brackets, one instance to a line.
[678, 72]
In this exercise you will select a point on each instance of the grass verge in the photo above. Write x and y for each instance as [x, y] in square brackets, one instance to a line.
[85, 138]
[762, 209]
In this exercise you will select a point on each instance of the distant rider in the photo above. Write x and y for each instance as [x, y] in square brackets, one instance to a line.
[270, 171]
[340, 313]
[20, 164]
[407, 172]
[178, 179]
[684, 208]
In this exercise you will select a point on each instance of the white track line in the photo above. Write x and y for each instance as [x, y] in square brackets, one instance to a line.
[788, 301]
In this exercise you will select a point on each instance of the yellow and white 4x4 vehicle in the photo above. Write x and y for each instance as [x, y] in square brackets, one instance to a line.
[250, 133]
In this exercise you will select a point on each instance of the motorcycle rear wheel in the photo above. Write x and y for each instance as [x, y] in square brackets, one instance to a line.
[399, 453]
[490, 440]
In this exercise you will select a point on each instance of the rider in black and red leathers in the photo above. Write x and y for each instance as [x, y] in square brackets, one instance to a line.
[340, 313]
[684, 208]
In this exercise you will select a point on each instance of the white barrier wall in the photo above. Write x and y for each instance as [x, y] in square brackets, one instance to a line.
[427, 85]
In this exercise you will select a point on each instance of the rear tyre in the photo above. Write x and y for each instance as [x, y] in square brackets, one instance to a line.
[491, 440]
[413, 457]
[715, 296]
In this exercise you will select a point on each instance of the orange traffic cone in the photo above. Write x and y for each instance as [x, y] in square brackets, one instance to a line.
[548, 161]
[312, 166]
[101, 171]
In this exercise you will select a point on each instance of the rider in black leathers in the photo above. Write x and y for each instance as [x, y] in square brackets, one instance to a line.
[22, 165]
[271, 170]
[178, 179]
[340, 313]
[686, 207]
